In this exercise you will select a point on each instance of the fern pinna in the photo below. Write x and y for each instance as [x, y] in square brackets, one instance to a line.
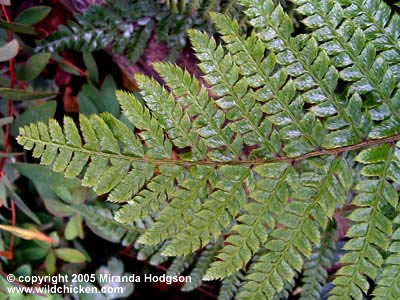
[298, 125]
[126, 26]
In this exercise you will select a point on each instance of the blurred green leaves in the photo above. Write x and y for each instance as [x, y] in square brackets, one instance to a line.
[33, 15]
[9, 50]
[34, 114]
[33, 67]
[24, 95]
[92, 100]
[114, 267]
[70, 255]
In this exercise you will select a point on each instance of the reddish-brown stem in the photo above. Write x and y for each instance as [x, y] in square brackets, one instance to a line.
[13, 222]
[10, 109]
[5, 14]
[73, 66]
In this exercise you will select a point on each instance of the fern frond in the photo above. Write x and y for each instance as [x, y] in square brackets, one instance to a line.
[135, 48]
[348, 47]
[135, 180]
[152, 134]
[157, 258]
[381, 25]
[108, 163]
[126, 25]
[101, 221]
[215, 215]
[315, 268]
[207, 256]
[222, 73]
[230, 286]
[270, 195]
[72, 37]
[111, 151]
[153, 197]
[282, 104]
[263, 158]
[285, 293]
[387, 287]
[146, 252]
[171, 116]
[208, 120]
[180, 264]
[176, 6]
[371, 228]
[314, 201]
[185, 202]
[311, 70]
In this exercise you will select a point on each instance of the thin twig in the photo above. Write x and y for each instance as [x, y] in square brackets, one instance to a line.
[73, 66]
[336, 151]
[14, 223]
[10, 108]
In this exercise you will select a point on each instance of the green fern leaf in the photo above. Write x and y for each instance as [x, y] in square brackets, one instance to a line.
[180, 264]
[110, 150]
[209, 120]
[66, 38]
[371, 228]
[348, 47]
[157, 258]
[184, 204]
[223, 74]
[271, 194]
[150, 199]
[310, 67]
[207, 256]
[314, 203]
[171, 116]
[152, 133]
[315, 268]
[230, 286]
[282, 103]
[261, 157]
[285, 293]
[215, 215]
[100, 221]
[126, 26]
[381, 26]
[388, 283]
[146, 252]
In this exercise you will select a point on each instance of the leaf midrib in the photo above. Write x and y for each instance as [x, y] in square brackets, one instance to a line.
[249, 163]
